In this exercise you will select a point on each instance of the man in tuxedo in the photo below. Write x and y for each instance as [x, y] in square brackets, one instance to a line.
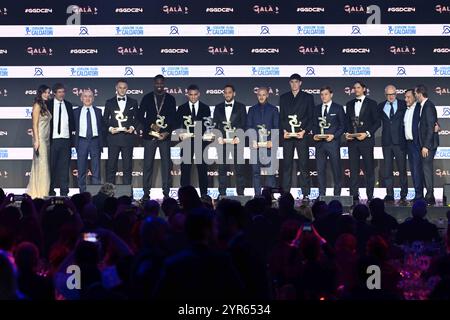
[411, 126]
[88, 139]
[197, 110]
[235, 113]
[120, 137]
[363, 119]
[300, 104]
[331, 115]
[393, 142]
[263, 113]
[154, 104]
[428, 139]
[61, 127]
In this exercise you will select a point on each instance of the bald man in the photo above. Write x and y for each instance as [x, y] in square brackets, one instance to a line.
[393, 142]
[88, 139]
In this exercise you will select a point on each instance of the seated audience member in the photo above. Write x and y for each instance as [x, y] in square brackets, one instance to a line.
[189, 199]
[151, 208]
[363, 230]
[383, 223]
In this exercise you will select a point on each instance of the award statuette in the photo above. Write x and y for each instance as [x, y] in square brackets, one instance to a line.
[263, 133]
[188, 123]
[294, 123]
[323, 124]
[209, 125]
[157, 126]
[120, 118]
[229, 132]
[356, 123]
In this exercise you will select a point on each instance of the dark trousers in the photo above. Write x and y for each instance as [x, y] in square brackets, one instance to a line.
[399, 153]
[329, 150]
[415, 165]
[289, 145]
[202, 168]
[224, 180]
[428, 173]
[88, 147]
[113, 159]
[60, 155]
[256, 173]
[355, 151]
[166, 164]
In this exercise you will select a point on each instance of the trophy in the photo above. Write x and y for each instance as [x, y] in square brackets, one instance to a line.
[323, 124]
[188, 123]
[209, 125]
[120, 118]
[263, 133]
[159, 124]
[356, 123]
[229, 132]
[294, 124]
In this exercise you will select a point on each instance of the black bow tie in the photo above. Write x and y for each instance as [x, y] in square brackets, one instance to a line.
[121, 99]
[358, 100]
[228, 105]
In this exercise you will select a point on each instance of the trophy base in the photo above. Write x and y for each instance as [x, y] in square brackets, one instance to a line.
[187, 135]
[292, 134]
[208, 137]
[154, 134]
[354, 135]
[122, 129]
[263, 144]
[228, 141]
[322, 136]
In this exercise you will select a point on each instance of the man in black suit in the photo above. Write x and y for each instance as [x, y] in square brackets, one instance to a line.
[363, 119]
[393, 142]
[154, 104]
[61, 128]
[331, 115]
[198, 111]
[300, 104]
[88, 139]
[428, 138]
[121, 137]
[234, 112]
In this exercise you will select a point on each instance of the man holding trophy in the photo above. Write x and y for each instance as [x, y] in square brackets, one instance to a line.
[120, 119]
[157, 117]
[263, 117]
[229, 116]
[191, 114]
[296, 110]
[362, 122]
[329, 125]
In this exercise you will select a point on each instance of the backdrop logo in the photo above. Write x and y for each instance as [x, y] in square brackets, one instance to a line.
[214, 91]
[355, 9]
[312, 91]
[312, 153]
[39, 10]
[442, 8]
[79, 91]
[401, 9]
[356, 30]
[3, 11]
[38, 31]
[310, 71]
[402, 50]
[28, 112]
[445, 29]
[85, 10]
[219, 71]
[42, 51]
[441, 50]
[174, 50]
[355, 50]
[356, 71]
[310, 9]
[175, 9]
[403, 30]
[129, 72]
[175, 71]
[3, 153]
[442, 90]
[38, 72]
[221, 50]
[315, 50]
[401, 71]
[310, 30]
[3, 93]
[219, 30]
[129, 10]
[265, 50]
[177, 91]
[130, 51]
[441, 71]
[3, 72]
[266, 9]
[272, 91]
[174, 30]
[264, 30]
[130, 30]
[445, 113]
[84, 72]
[135, 91]
[83, 51]
[219, 10]
[442, 153]
[265, 71]
[84, 31]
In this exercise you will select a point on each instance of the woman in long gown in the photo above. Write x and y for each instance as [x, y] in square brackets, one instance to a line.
[39, 184]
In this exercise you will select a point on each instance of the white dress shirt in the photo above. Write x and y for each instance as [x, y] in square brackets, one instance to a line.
[228, 110]
[83, 122]
[408, 121]
[358, 105]
[328, 107]
[64, 120]
[122, 103]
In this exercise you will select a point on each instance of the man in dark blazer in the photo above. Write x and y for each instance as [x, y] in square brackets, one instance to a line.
[120, 141]
[61, 128]
[329, 147]
[393, 142]
[89, 139]
[236, 113]
[301, 104]
[364, 111]
[153, 104]
[197, 110]
[263, 113]
[428, 138]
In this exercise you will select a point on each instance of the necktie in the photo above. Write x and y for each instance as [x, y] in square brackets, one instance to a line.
[120, 99]
[89, 133]
[325, 112]
[193, 111]
[59, 117]
[391, 113]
